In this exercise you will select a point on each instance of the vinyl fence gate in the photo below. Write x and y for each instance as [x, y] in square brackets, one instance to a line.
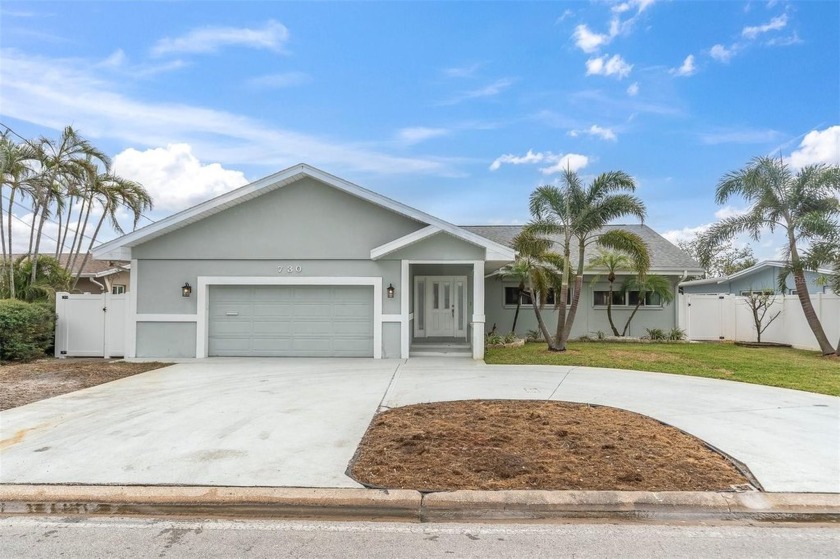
[90, 325]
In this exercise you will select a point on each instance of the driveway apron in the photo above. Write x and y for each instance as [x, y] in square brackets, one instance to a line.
[243, 422]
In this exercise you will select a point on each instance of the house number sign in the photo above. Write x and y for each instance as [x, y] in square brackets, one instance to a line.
[289, 269]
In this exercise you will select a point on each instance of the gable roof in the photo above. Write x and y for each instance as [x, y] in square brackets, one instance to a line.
[92, 269]
[746, 272]
[665, 257]
[120, 248]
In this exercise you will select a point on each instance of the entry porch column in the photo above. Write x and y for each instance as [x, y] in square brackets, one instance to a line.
[478, 317]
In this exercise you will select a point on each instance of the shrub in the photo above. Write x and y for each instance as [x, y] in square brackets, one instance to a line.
[656, 334]
[27, 330]
[533, 336]
[600, 335]
[494, 339]
[676, 334]
[510, 338]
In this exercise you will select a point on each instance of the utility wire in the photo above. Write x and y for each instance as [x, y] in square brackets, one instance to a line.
[10, 129]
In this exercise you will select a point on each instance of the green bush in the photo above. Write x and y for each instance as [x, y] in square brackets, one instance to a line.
[510, 338]
[27, 330]
[676, 334]
[657, 334]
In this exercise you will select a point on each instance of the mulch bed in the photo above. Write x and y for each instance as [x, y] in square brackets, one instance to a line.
[24, 383]
[521, 444]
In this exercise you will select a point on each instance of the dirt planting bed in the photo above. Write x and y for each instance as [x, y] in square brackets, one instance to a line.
[517, 444]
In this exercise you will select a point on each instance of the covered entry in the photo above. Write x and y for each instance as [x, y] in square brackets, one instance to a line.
[291, 320]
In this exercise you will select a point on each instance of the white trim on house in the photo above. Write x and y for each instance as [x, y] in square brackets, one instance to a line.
[203, 300]
[131, 315]
[402, 242]
[120, 248]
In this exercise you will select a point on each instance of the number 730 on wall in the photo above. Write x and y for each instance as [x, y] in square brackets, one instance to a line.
[289, 269]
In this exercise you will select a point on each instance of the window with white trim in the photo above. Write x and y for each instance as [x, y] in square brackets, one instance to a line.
[117, 289]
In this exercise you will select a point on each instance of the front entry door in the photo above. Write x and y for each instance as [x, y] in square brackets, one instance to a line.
[445, 306]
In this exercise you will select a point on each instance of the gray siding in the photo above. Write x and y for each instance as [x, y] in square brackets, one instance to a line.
[765, 278]
[588, 321]
[166, 339]
[304, 220]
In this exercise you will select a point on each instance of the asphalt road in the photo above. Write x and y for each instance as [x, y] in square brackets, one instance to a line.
[127, 537]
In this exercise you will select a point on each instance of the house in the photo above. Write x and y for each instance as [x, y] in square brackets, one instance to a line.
[303, 263]
[98, 276]
[763, 276]
[667, 260]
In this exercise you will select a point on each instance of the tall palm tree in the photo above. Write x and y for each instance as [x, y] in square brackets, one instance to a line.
[644, 284]
[824, 252]
[613, 262]
[63, 165]
[518, 272]
[803, 205]
[15, 173]
[542, 269]
[113, 193]
[574, 211]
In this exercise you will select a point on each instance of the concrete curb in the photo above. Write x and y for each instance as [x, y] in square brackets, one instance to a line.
[412, 506]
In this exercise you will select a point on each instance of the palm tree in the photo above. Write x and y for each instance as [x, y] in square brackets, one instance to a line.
[803, 205]
[542, 268]
[577, 212]
[15, 173]
[518, 272]
[613, 262]
[64, 164]
[825, 252]
[644, 284]
[112, 192]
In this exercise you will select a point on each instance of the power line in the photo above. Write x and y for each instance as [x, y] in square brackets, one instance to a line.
[18, 204]
[10, 129]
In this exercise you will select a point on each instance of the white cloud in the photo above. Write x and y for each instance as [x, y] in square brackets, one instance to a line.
[597, 131]
[687, 68]
[589, 41]
[571, 161]
[416, 134]
[633, 89]
[272, 36]
[53, 92]
[511, 159]
[721, 53]
[792, 39]
[818, 146]
[280, 81]
[174, 177]
[557, 163]
[686, 233]
[728, 211]
[490, 90]
[116, 59]
[462, 71]
[774, 24]
[605, 66]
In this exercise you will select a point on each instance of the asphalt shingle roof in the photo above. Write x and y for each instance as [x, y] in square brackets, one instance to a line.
[664, 255]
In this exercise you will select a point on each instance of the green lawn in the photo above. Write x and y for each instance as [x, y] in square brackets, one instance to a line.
[787, 368]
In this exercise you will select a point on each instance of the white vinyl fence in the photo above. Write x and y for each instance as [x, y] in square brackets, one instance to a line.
[727, 317]
[90, 325]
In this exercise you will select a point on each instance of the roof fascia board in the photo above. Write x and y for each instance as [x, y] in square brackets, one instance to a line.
[402, 242]
[217, 204]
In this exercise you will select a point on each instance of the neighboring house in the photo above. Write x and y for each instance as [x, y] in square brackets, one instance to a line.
[763, 276]
[303, 263]
[98, 276]
[666, 260]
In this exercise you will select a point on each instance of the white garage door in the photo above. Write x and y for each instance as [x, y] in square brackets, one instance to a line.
[291, 321]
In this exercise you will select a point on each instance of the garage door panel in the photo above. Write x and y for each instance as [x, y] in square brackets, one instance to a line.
[293, 321]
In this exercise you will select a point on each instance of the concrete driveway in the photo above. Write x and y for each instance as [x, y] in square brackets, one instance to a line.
[296, 422]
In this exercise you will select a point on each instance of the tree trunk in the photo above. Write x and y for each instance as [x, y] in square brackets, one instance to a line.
[629, 320]
[90, 247]
[516, 314]
[570, 319]
[12, 260]
[541, 322]
[609, 311]
[810, 313]
[37, 246]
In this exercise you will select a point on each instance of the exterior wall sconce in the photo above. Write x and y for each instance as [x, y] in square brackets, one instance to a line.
[391, 290]
[186, 290]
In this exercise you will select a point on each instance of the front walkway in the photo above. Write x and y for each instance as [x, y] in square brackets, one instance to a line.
[296, 422]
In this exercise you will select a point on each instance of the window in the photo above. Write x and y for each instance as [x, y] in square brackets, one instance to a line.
[512, 293]
[601, 298]
[766, 291]
[117, 289]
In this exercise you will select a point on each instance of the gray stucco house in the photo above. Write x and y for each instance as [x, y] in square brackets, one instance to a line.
[303, 263]
[764, 276]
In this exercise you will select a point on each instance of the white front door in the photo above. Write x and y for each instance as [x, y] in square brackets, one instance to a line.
[444, 306]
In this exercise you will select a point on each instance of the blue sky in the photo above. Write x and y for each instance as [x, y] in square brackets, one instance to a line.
[459, 109]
